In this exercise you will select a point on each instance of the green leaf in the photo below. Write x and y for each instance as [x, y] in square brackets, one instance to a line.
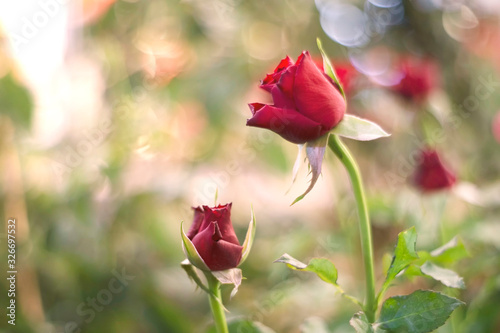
[230, 276]
[360, 323]
[247, 245]
[386, 262]
[447, 277]
[244, 325]
[193, 275]
[413, 270]
[315, 150]
[450, 253]
[420, 312]
[324, 268]
[404, 255]
[15, 101]
[328, 68]
[191, 253]
[360, 129]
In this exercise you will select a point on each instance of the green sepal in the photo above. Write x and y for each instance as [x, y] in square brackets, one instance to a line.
[247, 244]
[328, 68]
[360, 129]
[315, 150]
[193, 275]
[191, 253]
[229, 276]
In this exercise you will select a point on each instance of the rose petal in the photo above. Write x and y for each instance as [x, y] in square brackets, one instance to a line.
[284, 64]
[197, 220]
[222, 215]
[289, 124]
[271, 79]
[217, 255]
[254, 107]
[283, 91]
[315, 97]
[268, 83]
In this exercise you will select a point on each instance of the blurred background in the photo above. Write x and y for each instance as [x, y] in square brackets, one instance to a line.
[118, 116]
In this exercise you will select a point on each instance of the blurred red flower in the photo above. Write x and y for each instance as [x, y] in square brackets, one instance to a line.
[347, 75]
[419, 77]
[431, 174]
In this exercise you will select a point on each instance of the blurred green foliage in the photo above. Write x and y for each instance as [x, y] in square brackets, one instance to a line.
[176, 80]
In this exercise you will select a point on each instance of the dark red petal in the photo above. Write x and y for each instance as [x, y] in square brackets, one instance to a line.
[288, 123]
[223, 255]
[217, 255]
[268, 79]
[222, 215]
[283, 91]
[316, 97]
[217, 236]
[271, 79]
[300, 58]
[431, 174]
[267, 87]
[197, 221]
[254, 107]
[284, 64]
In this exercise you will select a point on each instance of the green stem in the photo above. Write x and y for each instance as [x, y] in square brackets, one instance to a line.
[441, 207]
[364, 221]
[216, 304]
[349, 297]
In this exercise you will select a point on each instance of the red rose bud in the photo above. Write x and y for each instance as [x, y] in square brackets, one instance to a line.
[307, 104]
[213, 236]
[431, 174]
[419, 77]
